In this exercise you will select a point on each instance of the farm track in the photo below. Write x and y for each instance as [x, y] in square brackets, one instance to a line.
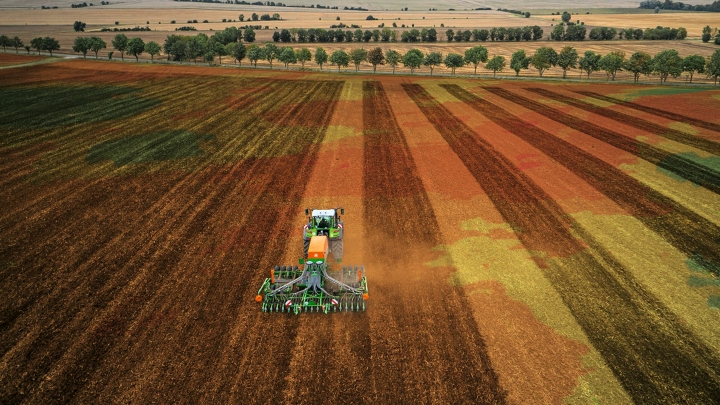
[397, 207]
[654, 111]
[624, 322]
[679, 165]
[689, 232]
[635, 122]
[128, 303]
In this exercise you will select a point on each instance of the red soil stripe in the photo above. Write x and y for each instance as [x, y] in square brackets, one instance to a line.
[397, 204]
[625, 323]
[685, 168]
[655, 111]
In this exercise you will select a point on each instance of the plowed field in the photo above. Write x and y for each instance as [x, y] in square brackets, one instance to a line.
[524, 242]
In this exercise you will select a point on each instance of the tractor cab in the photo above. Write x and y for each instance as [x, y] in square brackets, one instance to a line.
[324, 223]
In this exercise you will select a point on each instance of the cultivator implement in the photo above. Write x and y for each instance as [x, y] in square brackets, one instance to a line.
[314, 287]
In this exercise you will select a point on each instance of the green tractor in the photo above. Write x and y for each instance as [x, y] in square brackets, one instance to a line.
[325, 223]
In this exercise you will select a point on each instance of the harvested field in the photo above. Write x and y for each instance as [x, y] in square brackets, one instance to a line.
[524, 242]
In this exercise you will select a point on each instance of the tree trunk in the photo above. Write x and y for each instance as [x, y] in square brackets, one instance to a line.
[691, 76]
[494, 72]
[475, 69]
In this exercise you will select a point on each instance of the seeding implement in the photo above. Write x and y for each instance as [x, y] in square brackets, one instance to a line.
[315, 286]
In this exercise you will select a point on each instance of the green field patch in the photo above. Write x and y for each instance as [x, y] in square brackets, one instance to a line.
[51, 106]
[655, 91]
[153, 147]
[697, 282]
[712, 162]
[683, 127]
[714, 302]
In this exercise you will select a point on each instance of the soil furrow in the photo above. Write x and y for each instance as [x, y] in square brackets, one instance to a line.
[625, 323]
[654, 111]
[397, 207]
[679, 165]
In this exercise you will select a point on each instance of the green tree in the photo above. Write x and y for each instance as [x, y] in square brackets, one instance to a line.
[413, 59]
[558, 33]
[218, 49]
[249, 35]
[376, 57]
[135, 47]
[692, 64]
[367, 35]
[285, 35]
[340, 58]
[667, 63]
[36, 43]
[152, 48]
[567, 59]
[254, 53]
[79, 26]
[50, 44]
[639, 63]
[433, 60]
[81, 45]
[17, 43]
[358, 56]
[519, 61]
[120, 43]
[566, 17]
[590, 62]
[4, 42]
[27, 48]
[270, 53]
[544, 58]
[612, 63]
[303, 55]
[450, 35]
[713, 66]
[393, 58]
[209, 56]
[475, 55]
[706, 33]
[287, 56]
[320, 57]
[358, 35]
[496, 64]
[195, 47]
[454, 61]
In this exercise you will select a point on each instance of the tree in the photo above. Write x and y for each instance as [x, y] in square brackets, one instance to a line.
[194, 48]
[358, 56]
[153, 48]
[692, 64]
[567, 59]
[496, 64]
[590, 62]
[450, 35]
[667, 63]
[519, 61]
[218, 49]
[36, 43]
[320, 57]
[432, 35]
[209, 56]
[237, 50]
[612, 63]
[544, 58]
[558, 33]
[120, 43]
[340, 58]
[433, 60]
[713, 66]
[367, 35]
[566, 17]
[475, 55]
[135, 47]
[270, 53]
[95, 44]
[81, 45]
[254, 53]
[50, 44]
[79, 26]
[303, 55]
[413, 59]
[639, 63]
[358, 35]
[284, 35]
[249, 35]
[393, 58]
[4, 41]
[17, 43]
[454, 61]
[27, 48]
[287, 56]
[706, 33]
[376, 57]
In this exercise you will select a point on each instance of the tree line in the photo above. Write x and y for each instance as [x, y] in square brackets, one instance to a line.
[40, 44]
[671, 5]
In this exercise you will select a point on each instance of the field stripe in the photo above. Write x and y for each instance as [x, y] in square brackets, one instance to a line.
[687, 231]
[397, 205]
[635, 122]
[652, 355]
[654, 111]
[679, 165]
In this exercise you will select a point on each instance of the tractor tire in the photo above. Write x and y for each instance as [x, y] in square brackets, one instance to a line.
[336, 248]
[306, 247]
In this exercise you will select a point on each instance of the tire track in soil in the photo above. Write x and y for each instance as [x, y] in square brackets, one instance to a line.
[685, 168]
[635, 122]
[397, 207]
[687, 231]
[654, 111]
[115, 321]
[644, 344]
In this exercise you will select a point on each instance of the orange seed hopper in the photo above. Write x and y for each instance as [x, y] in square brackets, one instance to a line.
[318, 250]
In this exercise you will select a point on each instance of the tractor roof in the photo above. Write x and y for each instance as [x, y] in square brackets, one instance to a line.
[323, 213]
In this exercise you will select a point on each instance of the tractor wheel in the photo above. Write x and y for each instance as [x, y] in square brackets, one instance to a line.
[306, 247]
[337, 249]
